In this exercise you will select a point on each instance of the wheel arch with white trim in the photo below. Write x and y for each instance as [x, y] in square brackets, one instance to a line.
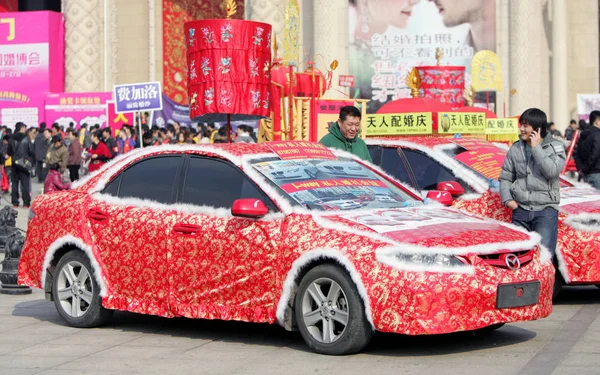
[76, 293]
[300, 267]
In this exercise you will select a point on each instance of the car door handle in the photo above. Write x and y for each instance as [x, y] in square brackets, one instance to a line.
[189, 229]
[97, 215]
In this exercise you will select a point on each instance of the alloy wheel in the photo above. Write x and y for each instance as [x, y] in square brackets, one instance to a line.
[325, 310]
[75, 289]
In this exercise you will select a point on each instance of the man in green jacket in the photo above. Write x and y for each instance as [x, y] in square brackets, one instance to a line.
[343, 135]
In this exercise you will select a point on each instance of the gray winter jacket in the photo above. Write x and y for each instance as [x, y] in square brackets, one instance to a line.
[534, 183]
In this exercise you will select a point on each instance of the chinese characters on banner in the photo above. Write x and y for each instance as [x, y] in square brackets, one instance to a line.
[346, 81]
[138, 97]
[77, 108]
[389, 38]
[461, 123]
[502, 126]
[399, 124]
[31, 46]
[322, 184]
[289, 150]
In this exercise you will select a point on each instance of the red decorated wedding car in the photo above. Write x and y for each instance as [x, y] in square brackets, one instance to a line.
[465, 167]
[330, 246]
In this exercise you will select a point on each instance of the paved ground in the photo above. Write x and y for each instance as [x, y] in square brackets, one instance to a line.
[35, 340]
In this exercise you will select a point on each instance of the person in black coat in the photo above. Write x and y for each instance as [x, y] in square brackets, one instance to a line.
[587, 153]
[23, 162]
[41, 145]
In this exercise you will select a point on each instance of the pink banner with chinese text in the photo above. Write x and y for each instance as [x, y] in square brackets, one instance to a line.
[77, 108]
[31, 64]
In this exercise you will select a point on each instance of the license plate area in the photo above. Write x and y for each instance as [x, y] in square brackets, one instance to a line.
[517, 295]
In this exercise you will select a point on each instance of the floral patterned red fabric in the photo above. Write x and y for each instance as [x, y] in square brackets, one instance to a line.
[229, 67]
[236, 268]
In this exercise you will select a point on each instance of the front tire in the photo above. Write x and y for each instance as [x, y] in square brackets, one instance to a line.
[330, 312]
[76, 293]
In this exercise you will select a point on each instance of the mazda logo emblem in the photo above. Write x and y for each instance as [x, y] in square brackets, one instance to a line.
[512, 262]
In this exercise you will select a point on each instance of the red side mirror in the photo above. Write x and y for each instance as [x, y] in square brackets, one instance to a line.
[452, 187]
[249, 207]
[442, 197]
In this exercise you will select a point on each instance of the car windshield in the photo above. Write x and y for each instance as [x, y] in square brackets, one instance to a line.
[486, 162]
[339, 184]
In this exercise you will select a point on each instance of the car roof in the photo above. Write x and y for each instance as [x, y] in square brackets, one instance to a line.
[427, 141]
[238, 149]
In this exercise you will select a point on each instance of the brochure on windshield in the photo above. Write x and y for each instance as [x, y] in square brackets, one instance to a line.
[481, 156]
[333, 184]
[487, 161]
[290, 150]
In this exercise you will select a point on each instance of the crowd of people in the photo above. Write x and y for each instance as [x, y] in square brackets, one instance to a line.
[49, 153]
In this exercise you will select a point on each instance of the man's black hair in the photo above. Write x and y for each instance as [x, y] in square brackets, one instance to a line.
[572, 122]
[537, 119]
[349, 110]
[19, 126]
[594, 115]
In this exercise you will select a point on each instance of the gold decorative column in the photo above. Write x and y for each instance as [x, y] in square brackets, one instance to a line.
[84, 45]
[271, 12]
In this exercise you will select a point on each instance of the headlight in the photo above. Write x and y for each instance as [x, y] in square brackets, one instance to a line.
[442, 260]
[423, 261]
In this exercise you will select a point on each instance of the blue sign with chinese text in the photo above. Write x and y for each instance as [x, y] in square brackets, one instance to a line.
[138, 97]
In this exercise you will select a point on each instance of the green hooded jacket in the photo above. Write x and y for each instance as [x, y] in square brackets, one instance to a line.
[356, 146]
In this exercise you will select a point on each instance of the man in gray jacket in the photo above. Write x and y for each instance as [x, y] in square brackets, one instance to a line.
[529, 183]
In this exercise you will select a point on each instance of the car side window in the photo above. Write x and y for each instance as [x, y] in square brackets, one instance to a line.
[112, 188]
[217, 183]
[393, 164]
[152, 179]
[428, 172]
[375, 152]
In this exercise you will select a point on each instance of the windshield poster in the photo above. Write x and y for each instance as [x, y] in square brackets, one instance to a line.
[330, 184]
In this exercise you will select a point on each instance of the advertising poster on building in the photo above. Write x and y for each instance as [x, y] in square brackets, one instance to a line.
[77, 108]
[390, 37]
[31, 47]
[587, 103]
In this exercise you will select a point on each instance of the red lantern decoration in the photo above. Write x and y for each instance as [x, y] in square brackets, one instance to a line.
[229, 69]
[443, 83]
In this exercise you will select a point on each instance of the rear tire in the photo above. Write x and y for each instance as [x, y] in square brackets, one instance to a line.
[330, 313]
[559, 282]
[76, 293]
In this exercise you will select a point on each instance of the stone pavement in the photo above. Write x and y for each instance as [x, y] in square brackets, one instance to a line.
[35, 340]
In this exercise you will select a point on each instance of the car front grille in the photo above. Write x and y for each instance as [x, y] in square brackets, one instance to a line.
[498, 259]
